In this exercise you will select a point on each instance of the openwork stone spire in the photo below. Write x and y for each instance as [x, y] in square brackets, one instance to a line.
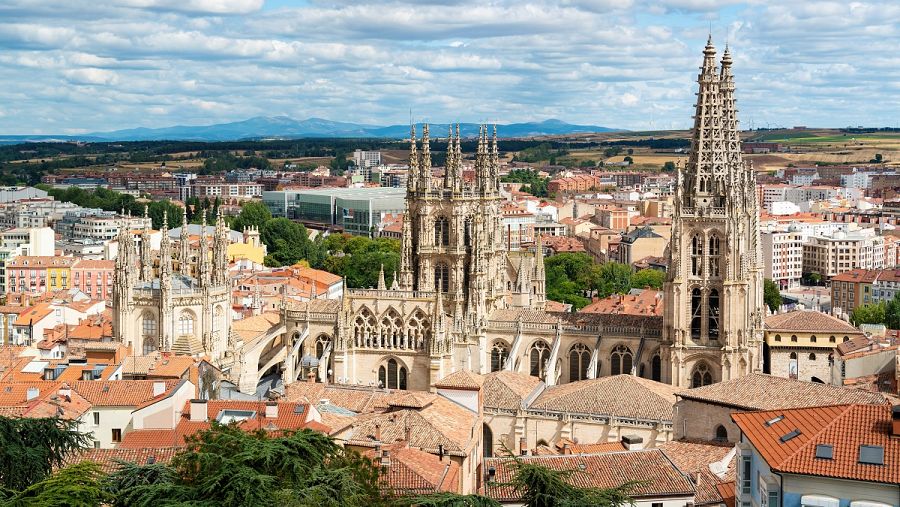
[706, 166]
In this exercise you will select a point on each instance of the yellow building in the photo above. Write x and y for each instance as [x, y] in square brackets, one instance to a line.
[798, 344]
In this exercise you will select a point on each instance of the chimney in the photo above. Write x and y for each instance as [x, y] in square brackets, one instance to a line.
[895, 415]
[567, 449]
[198, 410]
[378, 432]
[158, 388]
[632, 442]
[440, 452]
[65, 392]
[32, 393]
[385, 459]
[492, 474]
[523, 447]
[271, 410]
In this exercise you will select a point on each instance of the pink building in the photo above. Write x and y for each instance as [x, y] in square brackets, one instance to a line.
[94, 278]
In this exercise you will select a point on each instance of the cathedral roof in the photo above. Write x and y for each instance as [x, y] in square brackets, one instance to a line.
[758, 391]
[620, 396]
[505, 390]
[462, 379]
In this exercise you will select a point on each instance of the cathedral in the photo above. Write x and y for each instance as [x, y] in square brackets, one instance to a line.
[462, 301]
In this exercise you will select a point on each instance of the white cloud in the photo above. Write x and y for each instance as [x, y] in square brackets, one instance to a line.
[91, 76]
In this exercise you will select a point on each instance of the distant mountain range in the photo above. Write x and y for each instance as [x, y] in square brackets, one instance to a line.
[283, 127]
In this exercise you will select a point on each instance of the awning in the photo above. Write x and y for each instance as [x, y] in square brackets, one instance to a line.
[819, 501]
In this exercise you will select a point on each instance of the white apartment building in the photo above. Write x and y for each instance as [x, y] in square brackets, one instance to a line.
[886, 286]
[29, 241]
[104, 228]
[366, 159]
[227, 190]
[782, 252]
[843, 251]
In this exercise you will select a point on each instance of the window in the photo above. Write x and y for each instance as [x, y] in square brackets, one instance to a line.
[721, 434]
[812, 338]
[713, 309]
[442, 277]
[579, 357]
[656, 368]
[714, 256]
[539, 354]
[774, 499]
[777, 337]
[697, 255]
[696, 313]
[96, 444]
[186, 324]
[96, 418]
[812, 357]
[701, 376]
[499, 354]
[832, 339]
[746, 469]
[441, 232]
[116, 435]
[621, 360]
[393, 376]
[794, 338]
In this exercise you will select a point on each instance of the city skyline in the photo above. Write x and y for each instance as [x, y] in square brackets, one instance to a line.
[80, 67]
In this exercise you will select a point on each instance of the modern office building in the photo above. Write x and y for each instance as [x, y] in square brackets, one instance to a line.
[355, 210]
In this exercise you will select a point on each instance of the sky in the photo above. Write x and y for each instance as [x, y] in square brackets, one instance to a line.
[77, 66]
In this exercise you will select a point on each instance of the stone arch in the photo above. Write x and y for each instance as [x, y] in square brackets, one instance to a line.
[701, 375]
[721, 434]
[418, 330]
[187, 323]
[656, 366]
[487, 440]
[390, 329]
[499, 355]
[149, 332]
[364, 326]
[697, 247]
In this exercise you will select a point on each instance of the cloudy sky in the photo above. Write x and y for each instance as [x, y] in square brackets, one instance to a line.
[94, 65]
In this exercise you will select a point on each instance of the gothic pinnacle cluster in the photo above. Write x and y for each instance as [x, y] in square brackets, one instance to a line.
[487, 164]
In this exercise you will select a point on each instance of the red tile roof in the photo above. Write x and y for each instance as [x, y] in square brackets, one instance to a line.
[648, 302]
[462, 379]
[844, 427]
[109, 459]
[413, 471]
[625, 396]
[857, 275]
[808, 321]
[119, 393]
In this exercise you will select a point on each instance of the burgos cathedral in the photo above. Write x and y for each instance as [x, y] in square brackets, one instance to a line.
[461, 300]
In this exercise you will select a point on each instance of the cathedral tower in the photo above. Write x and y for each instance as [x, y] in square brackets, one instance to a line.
[713, 293]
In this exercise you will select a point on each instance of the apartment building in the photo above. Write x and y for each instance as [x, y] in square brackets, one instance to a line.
[853, 288]
[215, 187]
[887, 285]
[783, 256]
[32, 274]
[832, 255]
[518, 225]
[94, 277]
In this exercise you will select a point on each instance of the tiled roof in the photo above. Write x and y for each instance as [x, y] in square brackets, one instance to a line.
[416, 472]
[759, 391]
[109, 459]
[34, 314]
[442, 422]
[556, 306]
[505, 390]
[356, 399]
[159, 365]
[291, 416]
[844, 427]
[625, 396]
[118, 393]
[657, 476]
[691, 457]
[808, 321]
[462, 379]
[857, 275]
[647, 302]
[254, 326]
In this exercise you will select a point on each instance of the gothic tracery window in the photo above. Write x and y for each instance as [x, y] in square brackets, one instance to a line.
[713, 313]
[579, 358]
[499, 354]
[656, 367]
[540, 353]
[696, 313]
[701, 376]
[715, 256]
[442, 277]
[186, 324]
[697, 255]
[621, 360]
[392, 375]
[441, 232]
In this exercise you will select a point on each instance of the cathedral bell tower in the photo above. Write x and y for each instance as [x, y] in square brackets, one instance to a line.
[712, 327]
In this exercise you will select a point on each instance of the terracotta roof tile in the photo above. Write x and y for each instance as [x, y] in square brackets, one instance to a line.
[415, 472]
[109, 459]
[505, 390]
[759, 391]
[658, 476]
[119, 393]
[625, 396]
[356, 399]
[844, 427]
[810, 321]
[648, 302]
[462, 379]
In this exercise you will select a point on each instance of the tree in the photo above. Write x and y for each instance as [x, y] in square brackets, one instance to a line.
[74, 486]
[869, 314]
[31, 448]
[287, 241]
[652, 278]
[669, 167]
[539, 486]
[629, 160]
[892, 313]
[771, 295]
[253, 213]
[610, 278]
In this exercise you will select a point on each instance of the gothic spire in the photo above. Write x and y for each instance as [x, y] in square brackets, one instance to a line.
[204, 252]
[165, 251]
[731, 132]
[146, 260]
[495, 161]
[426, 159]
[450, 163]
[412, 180]
[706, 169]
[381, 284]
[184, 265]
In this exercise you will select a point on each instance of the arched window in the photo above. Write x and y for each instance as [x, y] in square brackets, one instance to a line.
[391, 330]
[812, 357]
[701, 376]
[620, 360]
[696, 313]
[793, 356]
[321, 344]
[442, 277]
[149, 325]
[846, 338]
[499, 354]
[392, 377]
[713, 302]
[656, 368]
[721, 434]
[714, 256]
[793, 338]
[777, 337]
[697, 255]
[364, 329]
[579, 357]
[186, 324]
[832, 339]
[487, 440]
[539, 354]
[812, 338]
[467, 232]
[441, 232]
